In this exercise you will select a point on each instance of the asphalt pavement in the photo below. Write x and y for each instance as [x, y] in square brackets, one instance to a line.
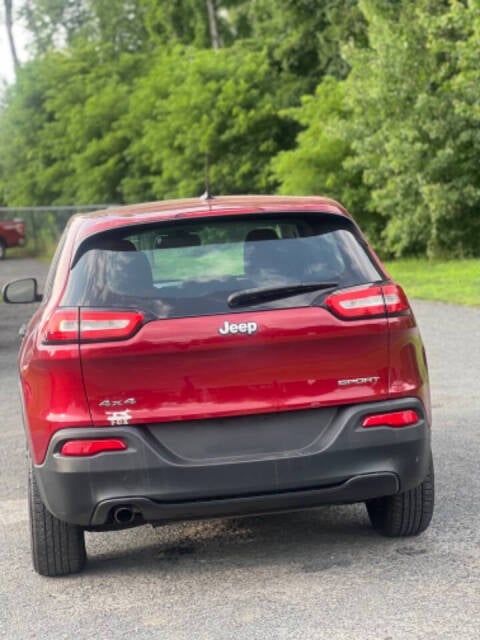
[306, 575]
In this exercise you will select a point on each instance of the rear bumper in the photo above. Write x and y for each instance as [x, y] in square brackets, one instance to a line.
[15, 241]
[235, 466]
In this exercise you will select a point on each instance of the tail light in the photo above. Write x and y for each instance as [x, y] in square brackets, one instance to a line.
[392, 419]
[92, 447]
[91, 325]
[369, 301]
[395, 299]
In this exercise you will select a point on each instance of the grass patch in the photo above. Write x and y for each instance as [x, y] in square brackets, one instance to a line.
[454, 281]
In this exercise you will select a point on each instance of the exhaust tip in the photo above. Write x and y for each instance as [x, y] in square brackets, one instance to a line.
[123, 515]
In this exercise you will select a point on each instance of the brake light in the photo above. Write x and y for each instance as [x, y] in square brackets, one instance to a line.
[357, 303]
[92, 447]
[108, 325]
[368, 301]
[392, 419]
[91, 325]
[62, 326]
[395, 299]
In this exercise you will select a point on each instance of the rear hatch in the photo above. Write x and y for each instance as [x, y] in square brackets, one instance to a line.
[216, 317]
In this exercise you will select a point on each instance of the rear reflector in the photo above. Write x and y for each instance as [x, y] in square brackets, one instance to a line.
[392, 419]
[91, 447]
[368, 301]
[91, 325]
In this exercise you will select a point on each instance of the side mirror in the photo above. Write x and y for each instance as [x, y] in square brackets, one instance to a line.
[21, 291]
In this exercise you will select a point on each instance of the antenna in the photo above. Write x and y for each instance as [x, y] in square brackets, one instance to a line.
[207, 195]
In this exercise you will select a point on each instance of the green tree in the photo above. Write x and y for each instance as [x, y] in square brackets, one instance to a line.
[317, 163]
[125, 99]
[127, 25]
[54, 23]
[406, 125]
[22, 157]
[198, 103]
[60, 141]
[302, 37]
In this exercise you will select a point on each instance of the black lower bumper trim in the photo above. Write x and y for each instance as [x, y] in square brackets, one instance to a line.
[313, 458]
[353, 490]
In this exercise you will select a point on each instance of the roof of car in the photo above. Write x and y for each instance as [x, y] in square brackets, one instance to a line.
[116, 217]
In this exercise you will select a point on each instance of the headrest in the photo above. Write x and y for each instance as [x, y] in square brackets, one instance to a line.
[262, 261]
[261, 234]
[178, 239]
[129, 273]
[112, 244]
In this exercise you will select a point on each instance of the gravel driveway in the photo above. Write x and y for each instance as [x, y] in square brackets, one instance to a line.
[309, 575]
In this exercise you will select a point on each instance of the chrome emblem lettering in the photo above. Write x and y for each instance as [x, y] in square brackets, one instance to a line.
[349, 381]
[232, 328]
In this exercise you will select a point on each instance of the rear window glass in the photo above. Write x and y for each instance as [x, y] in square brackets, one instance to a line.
[190, 268]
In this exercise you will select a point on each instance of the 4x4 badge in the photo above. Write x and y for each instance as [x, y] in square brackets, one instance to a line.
[233, 328]
[116, 403]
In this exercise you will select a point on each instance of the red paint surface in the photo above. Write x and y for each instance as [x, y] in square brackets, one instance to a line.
[180, 369]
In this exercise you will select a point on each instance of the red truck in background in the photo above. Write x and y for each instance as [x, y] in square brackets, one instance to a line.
[12, 234]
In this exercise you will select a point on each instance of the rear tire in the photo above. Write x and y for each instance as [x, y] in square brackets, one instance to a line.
[3, 249]
[58, 548]
[404, 514]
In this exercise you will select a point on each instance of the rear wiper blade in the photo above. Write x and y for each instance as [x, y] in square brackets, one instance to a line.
[267, 294]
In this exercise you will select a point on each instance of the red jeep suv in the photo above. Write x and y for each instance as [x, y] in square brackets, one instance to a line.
[220, 357]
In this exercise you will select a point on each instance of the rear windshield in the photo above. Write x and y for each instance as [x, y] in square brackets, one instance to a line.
[190, 268]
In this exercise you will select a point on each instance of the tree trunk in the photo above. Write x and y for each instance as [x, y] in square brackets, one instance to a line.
[212, 21]
[9, 25]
